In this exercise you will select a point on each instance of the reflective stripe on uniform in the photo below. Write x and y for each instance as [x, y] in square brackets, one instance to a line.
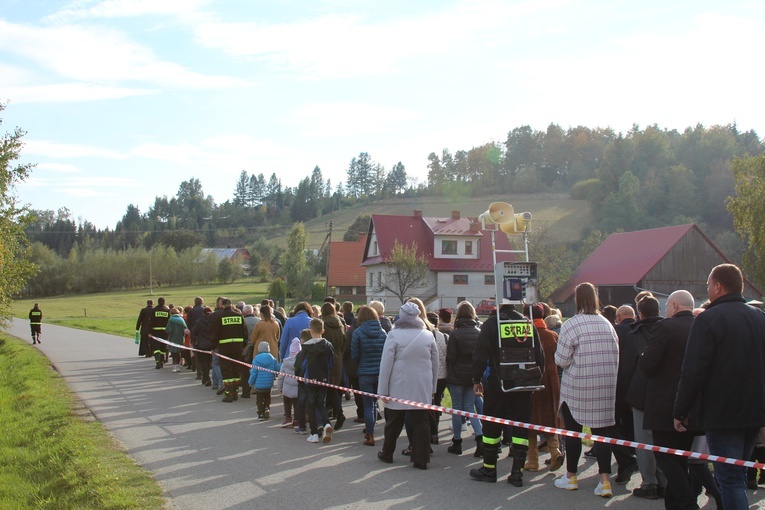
[520, 441]
[230, 340]
[490, 440]
[229, 381]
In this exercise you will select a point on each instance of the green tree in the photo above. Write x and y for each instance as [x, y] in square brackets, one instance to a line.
[295, 266]
[406, 270]
[748, 209]
[14, 268]
[359, 227]
[277, 290]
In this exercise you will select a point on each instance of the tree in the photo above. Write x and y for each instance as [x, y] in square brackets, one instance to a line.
[359, 227]
[295, 266]
[748, 209]
[406, 270]
[242, 190]
[395, 182]
[14, 269]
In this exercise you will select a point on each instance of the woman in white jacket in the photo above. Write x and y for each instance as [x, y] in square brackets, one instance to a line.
[408, 370]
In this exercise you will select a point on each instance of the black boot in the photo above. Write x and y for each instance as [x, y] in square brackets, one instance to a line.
[456, 447]
[229, 393]
[159, 358]
[478, 447]
[235, 391]
[516, 472]
[487, 472]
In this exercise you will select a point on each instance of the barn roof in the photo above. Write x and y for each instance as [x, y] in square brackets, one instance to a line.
[226, 253]
[625, 258]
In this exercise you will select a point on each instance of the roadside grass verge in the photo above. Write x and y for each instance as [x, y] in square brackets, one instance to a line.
[49, 456]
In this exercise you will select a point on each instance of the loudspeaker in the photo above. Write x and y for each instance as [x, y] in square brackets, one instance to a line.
[519, 225]
[499, 213]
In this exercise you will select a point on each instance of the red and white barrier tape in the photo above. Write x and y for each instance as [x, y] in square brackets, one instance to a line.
[501, 421]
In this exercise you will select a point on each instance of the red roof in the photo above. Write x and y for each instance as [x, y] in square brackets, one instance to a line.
[422, 230]
[345, 264]
[624, 258]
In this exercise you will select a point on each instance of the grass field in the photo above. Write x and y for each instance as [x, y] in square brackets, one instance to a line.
[116, 312]
[51, 457]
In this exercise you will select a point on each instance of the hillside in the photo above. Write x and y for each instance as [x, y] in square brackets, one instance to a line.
[565, 216]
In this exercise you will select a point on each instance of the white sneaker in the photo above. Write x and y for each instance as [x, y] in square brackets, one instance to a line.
[564, 482]
[604, 490]
[327, 433]
[313, 438]
[176, 369]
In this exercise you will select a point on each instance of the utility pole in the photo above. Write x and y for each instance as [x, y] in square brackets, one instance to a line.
[329, 247]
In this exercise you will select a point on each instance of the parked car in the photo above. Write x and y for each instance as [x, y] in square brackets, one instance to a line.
[486, 306]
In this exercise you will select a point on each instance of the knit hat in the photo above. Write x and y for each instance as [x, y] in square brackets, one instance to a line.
[409, 308]
[295, 346]
[263, 347]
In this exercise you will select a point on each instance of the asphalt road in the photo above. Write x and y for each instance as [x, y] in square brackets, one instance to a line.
[210, 455]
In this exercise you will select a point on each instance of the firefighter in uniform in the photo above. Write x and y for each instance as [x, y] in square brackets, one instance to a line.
[229, 334]
[160, 314]
[35, 323]
[516, 405]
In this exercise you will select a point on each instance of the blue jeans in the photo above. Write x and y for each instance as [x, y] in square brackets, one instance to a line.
[368, 383]
[217, 377]
[735, 444]
[463, 399]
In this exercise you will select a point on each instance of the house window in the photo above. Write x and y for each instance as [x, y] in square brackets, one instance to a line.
[374, 248]
[379, 278]
[460, 279]
[371, 279]
[488, 279]
[468, 247]
[449, 247]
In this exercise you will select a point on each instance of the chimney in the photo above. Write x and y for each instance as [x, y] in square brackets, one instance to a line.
[418, 213]
[474, 226]
[455, 215]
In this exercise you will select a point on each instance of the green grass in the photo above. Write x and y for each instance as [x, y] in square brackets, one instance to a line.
[116, 312]
[50, 457]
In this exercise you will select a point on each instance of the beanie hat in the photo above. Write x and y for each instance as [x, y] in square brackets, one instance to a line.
[263, 347]
[409, 308]
[295, 346]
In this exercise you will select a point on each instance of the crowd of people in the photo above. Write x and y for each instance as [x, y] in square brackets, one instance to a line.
[689, 379]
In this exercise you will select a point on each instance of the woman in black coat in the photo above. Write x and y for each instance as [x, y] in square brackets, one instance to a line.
[459, 376]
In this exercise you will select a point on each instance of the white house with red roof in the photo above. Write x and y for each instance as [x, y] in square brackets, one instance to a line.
[661, 260]
[458, 252]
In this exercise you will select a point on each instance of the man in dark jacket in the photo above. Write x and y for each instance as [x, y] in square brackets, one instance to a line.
[635, 394]
[661, 362]
[143, 328]
[513, 405]
[624, 428]
[724, 363]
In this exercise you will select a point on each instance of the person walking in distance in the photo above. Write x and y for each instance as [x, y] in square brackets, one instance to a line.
[35, 323]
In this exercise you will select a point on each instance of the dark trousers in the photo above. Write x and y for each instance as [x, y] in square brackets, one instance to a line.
[420, 435]
[435, 416]
[335, 401]
[315, 403]
[263, 400]
[624, 429]
[679, 495]
[514, 406]
[229, 370]
[158, 349]
[574, 444]
[204, 361]
[353, 382]
[288, 404]
[300, 405]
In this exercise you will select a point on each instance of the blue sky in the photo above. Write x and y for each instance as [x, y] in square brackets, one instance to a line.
[123, 100]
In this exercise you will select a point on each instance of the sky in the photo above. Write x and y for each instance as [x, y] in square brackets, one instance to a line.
[122, 100]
